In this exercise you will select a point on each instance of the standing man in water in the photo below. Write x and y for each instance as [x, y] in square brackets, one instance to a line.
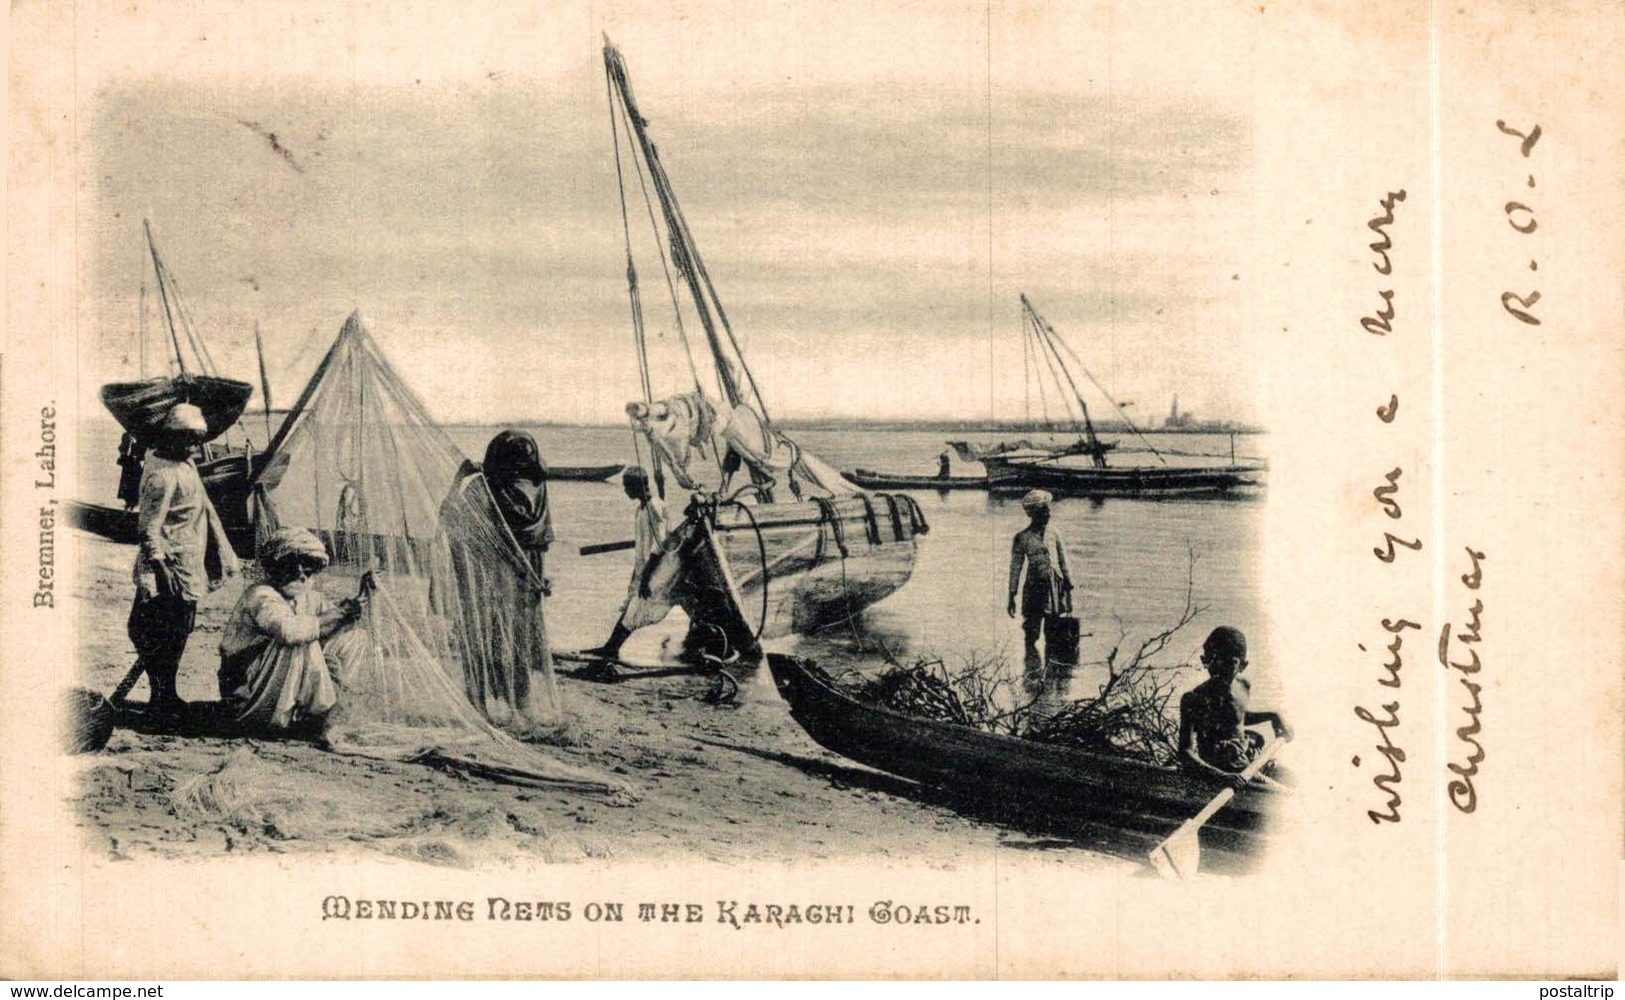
[184, 554]
[1047, 587]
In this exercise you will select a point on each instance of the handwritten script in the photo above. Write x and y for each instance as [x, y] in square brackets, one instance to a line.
[1396, 540]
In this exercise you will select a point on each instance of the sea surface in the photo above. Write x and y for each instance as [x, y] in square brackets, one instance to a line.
[1132, 561]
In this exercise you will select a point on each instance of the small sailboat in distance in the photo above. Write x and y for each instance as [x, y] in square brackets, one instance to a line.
[1026, 465]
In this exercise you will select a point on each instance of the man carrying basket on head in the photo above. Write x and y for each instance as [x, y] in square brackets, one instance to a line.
[184, 555]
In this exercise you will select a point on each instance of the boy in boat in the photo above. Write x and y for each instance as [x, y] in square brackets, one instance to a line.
[1213, 716]
[943, 465]
[648, 593]
[1046, 587]
[184, 554]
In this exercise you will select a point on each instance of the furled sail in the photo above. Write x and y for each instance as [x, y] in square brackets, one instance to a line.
[455, 642]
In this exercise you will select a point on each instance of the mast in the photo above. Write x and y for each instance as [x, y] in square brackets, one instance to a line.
[163, 293]
[141, 330]
[1056, 344]
[685, 255]
[265, 382]
[1046, 334]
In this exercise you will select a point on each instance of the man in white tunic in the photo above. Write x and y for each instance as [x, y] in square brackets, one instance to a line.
[184, 555]
[649, 593]
[283, 655]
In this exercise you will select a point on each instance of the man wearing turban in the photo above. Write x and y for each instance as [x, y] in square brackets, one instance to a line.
[1046, 587]
[184, 554]
[283, 653]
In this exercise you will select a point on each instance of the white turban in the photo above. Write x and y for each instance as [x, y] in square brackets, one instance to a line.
[289, 543]
[184, 418]
[1036, 500]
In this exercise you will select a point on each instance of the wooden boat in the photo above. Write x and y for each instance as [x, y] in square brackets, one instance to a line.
[1149, 482]
[119, 525]
[227, 470]
[795, 549]
[871, 480]
[584, 473]
[1012, 777]
[1025, 465]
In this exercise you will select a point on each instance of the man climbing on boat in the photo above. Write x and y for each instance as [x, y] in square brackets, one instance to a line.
[1046, 587]
[649, 592]
[1214, 716]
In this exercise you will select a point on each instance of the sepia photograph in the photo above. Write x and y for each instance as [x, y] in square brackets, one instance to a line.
[930, 481]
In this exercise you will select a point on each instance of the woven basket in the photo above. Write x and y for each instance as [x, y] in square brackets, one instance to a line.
[89, 721]
[141, 407]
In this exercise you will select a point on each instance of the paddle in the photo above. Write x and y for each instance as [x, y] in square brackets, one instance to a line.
[600, 549]
[1181, 854]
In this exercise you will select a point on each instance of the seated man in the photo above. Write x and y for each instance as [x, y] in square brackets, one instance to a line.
[282, 651]
[1213, 716]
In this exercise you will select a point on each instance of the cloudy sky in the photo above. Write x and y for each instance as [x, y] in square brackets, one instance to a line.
[871, 188]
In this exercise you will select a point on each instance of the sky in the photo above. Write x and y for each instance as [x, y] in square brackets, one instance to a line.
[871, 188]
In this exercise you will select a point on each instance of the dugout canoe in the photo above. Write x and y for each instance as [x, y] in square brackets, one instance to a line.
[871, 480]
[584, 473]
[1014, 778]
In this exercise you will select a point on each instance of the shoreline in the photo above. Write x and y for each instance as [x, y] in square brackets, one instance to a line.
[734, 783]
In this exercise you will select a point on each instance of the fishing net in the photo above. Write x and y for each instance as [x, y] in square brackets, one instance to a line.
[452, 643]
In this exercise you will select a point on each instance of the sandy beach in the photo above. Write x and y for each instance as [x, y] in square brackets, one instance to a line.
[737, 782]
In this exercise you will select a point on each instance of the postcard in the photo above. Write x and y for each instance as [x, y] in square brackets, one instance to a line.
[857, 490]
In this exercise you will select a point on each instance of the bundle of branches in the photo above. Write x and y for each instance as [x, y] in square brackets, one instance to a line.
[1130, 717]
[924, 691]
[980, 693]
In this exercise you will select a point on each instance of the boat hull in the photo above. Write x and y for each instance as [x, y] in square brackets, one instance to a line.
[765, 571]
[887, 481]
[1142, 481]
[227, 479]
[584, 473]
[1013, 777]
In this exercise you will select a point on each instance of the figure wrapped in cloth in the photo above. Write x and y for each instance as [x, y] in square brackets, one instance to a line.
[284, 653]
[499, 510]
[1046, 586]
[184, 554]
[650, 591]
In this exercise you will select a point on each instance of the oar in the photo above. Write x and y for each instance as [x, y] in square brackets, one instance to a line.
[1179, 855]
[603, 547]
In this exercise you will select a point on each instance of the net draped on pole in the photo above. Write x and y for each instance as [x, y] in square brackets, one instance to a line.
[455, 642]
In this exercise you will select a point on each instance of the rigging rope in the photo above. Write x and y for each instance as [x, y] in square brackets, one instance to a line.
[638, 337]
[1120, 411]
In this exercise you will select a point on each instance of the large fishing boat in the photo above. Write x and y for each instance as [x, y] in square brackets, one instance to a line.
[773, 540]
[1057, 467]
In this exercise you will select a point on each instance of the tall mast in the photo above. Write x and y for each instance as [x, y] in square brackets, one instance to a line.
[265, 382]
[685, 256]
[163, 293]
[141, 330]
[1046, 335]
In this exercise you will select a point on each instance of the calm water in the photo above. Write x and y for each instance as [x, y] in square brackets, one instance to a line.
[1129, 558]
